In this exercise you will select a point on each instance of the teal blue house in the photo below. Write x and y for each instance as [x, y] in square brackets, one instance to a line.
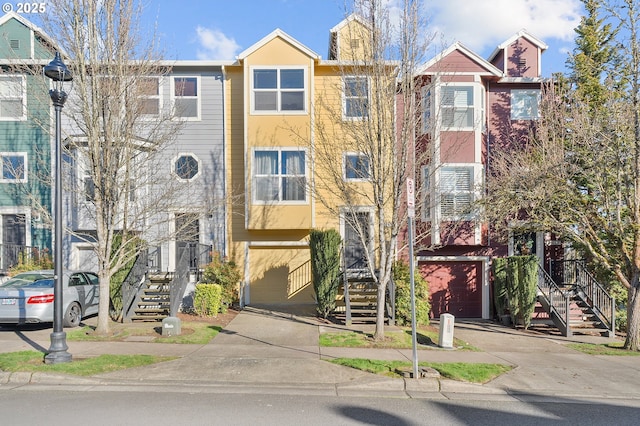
[25, 141]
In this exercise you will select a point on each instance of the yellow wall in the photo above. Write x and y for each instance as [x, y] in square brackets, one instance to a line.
[269, 242]
[353, 38]
[272, 271]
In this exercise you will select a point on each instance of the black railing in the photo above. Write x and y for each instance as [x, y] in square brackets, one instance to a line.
[12, 254]
[555, 299]
[573, 275]
[198, 255]
[154, 259]
[179, 283]
[132, 286]
[602, 304]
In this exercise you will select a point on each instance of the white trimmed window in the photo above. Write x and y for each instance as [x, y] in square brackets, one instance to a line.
[456, 192]
[186, 97]
[279, 175]
[355, 97]
[425, 191]
[426, 107]
[14, 166]
[86, 185]
[457, 106]
[356, 166]
[278, 90]
[149, 93]
[12, 98]
[525, 104]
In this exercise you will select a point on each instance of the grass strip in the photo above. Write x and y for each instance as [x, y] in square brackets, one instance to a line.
[613, 349]
[33, 361]
[192, 333]
[426, 339]
[461, 371]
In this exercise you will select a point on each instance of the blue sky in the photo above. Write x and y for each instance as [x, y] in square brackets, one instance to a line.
[215, 29]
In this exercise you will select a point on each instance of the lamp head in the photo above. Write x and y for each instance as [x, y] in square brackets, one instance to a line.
[57, 70]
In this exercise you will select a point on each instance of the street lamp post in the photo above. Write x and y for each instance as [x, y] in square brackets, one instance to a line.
[58, 72]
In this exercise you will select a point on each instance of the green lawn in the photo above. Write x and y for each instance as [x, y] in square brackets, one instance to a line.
[192, 333]
[425, 338]
[34, 362]
[468, 372]
[615, 348]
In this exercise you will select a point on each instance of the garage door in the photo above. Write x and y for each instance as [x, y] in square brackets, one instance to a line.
[455, 288]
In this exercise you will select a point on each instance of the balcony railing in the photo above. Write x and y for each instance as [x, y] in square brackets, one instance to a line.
[12, 254]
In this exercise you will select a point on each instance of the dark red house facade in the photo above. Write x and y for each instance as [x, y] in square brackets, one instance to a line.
[469, 106]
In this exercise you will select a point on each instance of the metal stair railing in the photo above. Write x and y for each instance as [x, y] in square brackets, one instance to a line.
[179, 282]
[132, 286]
[600, 302]
[299, 279]
[554, 300]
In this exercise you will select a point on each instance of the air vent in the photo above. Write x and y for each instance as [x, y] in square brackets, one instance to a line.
[15, 44]
[355, 43]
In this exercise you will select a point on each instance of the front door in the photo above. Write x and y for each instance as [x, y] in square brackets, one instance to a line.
[187, 238]
[357, 239]
[14, 234]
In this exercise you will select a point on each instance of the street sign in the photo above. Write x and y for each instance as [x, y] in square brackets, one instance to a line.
[411, 198]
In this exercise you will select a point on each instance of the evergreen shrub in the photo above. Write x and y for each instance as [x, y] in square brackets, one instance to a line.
[207, 299]
[226, 274]
[324, 246]
[402, 280]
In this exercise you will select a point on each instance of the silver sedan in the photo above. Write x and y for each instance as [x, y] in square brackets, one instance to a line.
[28, 297]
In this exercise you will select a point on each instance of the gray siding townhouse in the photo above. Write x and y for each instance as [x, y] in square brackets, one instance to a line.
[189, 170]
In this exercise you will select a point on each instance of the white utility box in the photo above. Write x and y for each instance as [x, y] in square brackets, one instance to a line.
[445, 338]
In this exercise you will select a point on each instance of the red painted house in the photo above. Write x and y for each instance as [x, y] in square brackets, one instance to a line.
[469, 106]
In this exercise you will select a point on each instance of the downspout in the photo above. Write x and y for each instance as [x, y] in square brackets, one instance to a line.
[225, 239]
[488, 161]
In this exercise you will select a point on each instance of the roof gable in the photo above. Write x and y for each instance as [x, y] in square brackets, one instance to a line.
[34, 29]
[278, 33]
[347, 39]
[457, 53]
[522, 33]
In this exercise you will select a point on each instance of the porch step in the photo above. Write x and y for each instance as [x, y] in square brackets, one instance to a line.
[363, 300]
[155, 301]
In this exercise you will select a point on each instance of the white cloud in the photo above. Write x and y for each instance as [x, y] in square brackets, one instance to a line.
[214, 44]
[481, 24]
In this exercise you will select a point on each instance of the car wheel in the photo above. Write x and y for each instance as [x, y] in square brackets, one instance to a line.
[73, 316]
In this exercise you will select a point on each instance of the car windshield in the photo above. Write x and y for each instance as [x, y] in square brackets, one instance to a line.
[29, 280]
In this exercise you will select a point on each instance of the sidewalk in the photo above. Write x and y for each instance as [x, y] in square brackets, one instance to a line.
[263, 350]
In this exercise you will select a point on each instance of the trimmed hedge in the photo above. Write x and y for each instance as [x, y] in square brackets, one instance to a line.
[515, 281]
[207, 300]
[325, 268]
[500, 297]
[227, 275]
[402, 280]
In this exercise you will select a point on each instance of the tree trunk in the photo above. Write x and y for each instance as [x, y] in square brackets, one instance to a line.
[380, 311]
[102, 327]
[633, 318]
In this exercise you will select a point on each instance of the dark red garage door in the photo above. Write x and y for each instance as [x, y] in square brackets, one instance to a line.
[455, 288]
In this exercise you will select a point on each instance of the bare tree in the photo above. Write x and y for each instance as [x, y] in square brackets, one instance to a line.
[363, 133]
[115, 131]
[579, 175]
